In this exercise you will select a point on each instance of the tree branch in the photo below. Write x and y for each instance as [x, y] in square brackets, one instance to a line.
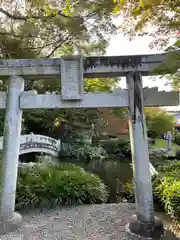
[10, 34]
[58, 46]
[24, 18]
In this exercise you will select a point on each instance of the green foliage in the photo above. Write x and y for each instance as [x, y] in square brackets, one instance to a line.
[88, 153]
[120, 112]
[170, 67]
[1, 122]
[156, 156]
[47, 28]
[165, 31]
[83, 152]
[177, 154]
[101, 84]
[169, 193]
[177, 138]
[170, 168]
[117, 147]
[56, 185]
[159, 121]
[167, 188]
[175, 79]
[49, 121]
[125, 191]
[164, 16]
[152, 133]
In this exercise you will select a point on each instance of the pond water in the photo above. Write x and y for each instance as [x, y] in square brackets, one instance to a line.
[114, 174]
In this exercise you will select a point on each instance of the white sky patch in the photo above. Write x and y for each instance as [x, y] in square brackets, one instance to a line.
[121, 45]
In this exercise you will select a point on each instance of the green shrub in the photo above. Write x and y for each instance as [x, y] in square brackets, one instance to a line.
[156, 156]
[177, 138]
[168, 192]
[69, 167]
[177, 154]
[125, 191]
[170, 168]
[117, 146]
[65, 184]
[82, 152]
[167, 188]
[152, 134]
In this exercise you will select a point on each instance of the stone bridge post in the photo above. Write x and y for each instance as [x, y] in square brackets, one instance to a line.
[144, 225]
[9, 220]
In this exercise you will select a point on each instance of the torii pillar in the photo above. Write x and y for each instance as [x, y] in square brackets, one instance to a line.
[9, 219]
[144, 225]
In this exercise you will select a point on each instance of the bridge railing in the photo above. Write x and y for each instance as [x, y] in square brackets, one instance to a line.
[37, 143]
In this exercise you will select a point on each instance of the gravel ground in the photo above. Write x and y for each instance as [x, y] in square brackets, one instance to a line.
[87, 222]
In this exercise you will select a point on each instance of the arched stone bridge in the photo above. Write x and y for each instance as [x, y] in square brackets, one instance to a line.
[37, 143]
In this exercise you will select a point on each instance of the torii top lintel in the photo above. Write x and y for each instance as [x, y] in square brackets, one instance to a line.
[105, 66]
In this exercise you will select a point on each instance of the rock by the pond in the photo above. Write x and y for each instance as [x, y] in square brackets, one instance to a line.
[161, 153]
[167, 153]
[48, 160]
[156, 153]
[43, 161]
[170, 155]
[151, 141]
[27, 165]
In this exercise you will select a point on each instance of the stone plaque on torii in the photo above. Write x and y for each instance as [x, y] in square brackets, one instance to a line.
[71, 71]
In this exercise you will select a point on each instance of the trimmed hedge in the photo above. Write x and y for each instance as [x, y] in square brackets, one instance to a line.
[167, 188]
[65, 184]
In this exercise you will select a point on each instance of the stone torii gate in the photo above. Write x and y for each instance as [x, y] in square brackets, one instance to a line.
[71, 71]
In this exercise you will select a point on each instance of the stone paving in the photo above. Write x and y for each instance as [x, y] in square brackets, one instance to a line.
[87, 222]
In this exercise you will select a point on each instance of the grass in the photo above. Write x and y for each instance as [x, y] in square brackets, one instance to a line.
[161, 143]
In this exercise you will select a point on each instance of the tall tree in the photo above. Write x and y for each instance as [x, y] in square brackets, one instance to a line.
[160, 21]
[45, 26]
[159, 121]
